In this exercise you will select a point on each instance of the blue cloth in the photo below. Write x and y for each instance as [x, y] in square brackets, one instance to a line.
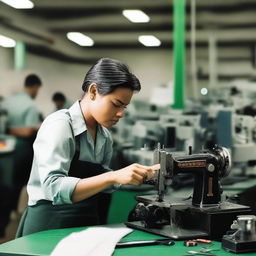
[22, 111]
[54, 149]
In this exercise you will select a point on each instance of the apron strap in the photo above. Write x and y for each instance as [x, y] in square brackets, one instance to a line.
[20, 228]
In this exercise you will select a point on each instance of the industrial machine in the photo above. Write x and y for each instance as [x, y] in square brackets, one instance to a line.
[242, 238]
[174, 131]
[202, 215]
[181, 131]
[244, 138]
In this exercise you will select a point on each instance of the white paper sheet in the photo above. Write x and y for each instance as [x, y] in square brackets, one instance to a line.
[95, 241]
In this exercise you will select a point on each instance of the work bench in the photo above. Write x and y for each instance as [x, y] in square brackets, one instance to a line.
[43, 243]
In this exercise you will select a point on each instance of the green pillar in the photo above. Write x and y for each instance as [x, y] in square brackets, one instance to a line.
[19, 56]
[179, 52]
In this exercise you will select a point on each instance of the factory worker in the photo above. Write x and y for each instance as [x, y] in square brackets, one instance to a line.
[23, 121]
[60, 101]
[72, 152]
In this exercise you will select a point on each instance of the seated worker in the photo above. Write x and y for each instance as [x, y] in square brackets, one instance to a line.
[60, 101]
[72, 152]
[23, 122]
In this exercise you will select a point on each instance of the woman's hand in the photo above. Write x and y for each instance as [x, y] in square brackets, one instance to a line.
[134, 174]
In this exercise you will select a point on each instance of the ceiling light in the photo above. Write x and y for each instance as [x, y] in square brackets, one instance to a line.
[80, 39]
[19, 4]
[204, 91]
[6, 41]
[149, 40]
[136, 16]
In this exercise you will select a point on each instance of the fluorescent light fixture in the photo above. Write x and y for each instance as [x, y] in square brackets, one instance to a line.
[136, 16]
[204, 91]
[19, 4]
[6, 42]
[80, 39]
[149, 40]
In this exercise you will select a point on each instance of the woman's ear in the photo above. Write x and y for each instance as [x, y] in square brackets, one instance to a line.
[93, 91]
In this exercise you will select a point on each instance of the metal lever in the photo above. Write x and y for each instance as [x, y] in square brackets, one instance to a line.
[145, 243]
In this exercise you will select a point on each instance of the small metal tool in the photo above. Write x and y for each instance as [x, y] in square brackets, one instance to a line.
[145, 243]
[208, 250]
[199, 253]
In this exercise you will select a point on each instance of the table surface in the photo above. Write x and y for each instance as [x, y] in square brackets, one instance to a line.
[43, 243]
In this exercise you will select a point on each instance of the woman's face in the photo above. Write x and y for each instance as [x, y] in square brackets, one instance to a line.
[108, 109]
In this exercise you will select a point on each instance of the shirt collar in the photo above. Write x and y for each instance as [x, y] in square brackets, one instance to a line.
[77, 118]
[25, 94]
[102, 131]
[78, 122]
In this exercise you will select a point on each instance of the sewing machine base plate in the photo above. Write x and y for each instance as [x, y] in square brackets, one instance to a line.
[168, 231]
[191, 221]
[236, 246]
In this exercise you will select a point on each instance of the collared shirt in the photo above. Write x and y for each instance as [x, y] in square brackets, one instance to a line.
[54, 149]
[22, 111]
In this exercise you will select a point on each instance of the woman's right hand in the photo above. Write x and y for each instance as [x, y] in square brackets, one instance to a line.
[134, 174]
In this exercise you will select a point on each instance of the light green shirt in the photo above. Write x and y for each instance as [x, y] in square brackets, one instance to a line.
[22, 111]
[54, 149]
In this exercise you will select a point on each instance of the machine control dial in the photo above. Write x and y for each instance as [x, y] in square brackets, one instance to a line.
[210, 167]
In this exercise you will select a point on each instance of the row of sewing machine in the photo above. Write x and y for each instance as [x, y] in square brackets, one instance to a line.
[139, 133]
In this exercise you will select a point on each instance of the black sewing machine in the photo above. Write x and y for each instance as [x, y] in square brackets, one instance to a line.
[203, 215]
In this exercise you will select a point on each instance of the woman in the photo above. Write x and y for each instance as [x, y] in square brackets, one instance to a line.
[72, 152]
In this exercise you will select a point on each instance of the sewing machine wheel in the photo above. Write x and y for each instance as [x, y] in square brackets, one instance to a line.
[226, 161]
[150, 215]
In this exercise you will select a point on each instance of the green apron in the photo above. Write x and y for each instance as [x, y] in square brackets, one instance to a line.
[89, 212]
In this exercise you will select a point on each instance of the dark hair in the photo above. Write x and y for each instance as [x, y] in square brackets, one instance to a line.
[58, 96]
[32, 80]
[108, 75]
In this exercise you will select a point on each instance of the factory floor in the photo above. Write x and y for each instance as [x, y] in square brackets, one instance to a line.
[11, 228]
[15, 216]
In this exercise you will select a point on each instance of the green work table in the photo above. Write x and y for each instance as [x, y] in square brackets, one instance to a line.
[43, 243]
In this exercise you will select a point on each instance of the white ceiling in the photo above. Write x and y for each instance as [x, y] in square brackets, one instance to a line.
[44, 27]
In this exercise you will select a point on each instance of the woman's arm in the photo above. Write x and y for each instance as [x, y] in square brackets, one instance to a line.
[133, 175]
[23, 131]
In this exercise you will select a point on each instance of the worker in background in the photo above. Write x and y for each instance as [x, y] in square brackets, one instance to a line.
[3, 115]
[60, 101]
[72, 153]
[23, 122]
